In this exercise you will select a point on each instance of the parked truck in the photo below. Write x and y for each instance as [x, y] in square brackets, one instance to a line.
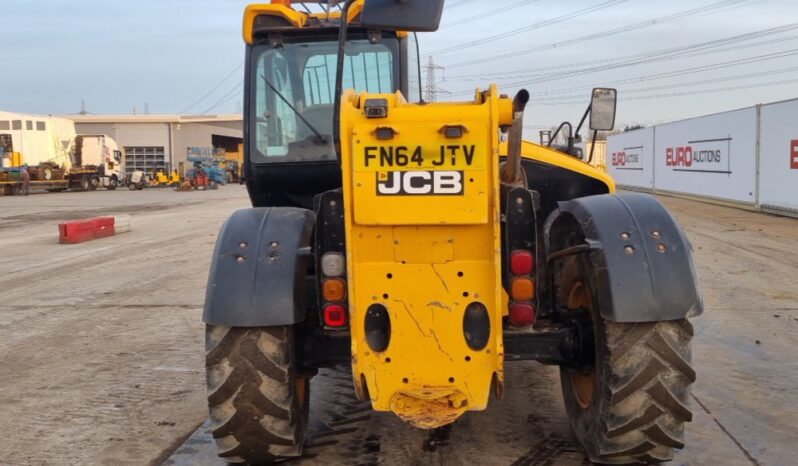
[98, 162]
[57, 158]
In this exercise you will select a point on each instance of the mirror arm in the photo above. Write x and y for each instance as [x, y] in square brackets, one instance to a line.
[592, 146]
[339, 79]
[584, 117]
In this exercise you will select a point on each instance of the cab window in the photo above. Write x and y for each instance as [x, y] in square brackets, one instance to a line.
[294, 91]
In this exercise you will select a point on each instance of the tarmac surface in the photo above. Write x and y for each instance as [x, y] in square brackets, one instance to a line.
[101, 348]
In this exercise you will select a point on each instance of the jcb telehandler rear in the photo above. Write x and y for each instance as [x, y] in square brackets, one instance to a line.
[404, 238]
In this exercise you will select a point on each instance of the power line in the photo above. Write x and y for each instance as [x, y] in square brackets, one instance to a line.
[715, 80]
[788, 69]
[686, 93]
[531, 27]
[702, 48]
[487, 13]
[214, 88]
[610, 32]
[226, 98]
[739, 61]
[685, 51]
[683, 71]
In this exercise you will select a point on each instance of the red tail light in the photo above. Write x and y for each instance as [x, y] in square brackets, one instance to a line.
[522, 315]
[335, 315]
[522, 262]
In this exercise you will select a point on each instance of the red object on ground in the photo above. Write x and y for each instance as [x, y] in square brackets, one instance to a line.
[200, 179]
[76, 231]
[103, 227]
[79, 231]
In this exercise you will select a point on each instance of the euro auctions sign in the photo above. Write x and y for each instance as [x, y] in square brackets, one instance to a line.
[703, 156]
[630, 158]
[712, 156]
[794, 154]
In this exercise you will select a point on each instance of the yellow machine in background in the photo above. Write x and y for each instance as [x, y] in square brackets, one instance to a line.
[161, 179]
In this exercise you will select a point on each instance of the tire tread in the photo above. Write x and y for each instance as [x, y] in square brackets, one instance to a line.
[254, 416]
[649, 389]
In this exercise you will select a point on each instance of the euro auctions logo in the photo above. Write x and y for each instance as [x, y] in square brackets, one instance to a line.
[794, 154]
[706, 156]
[630, 158]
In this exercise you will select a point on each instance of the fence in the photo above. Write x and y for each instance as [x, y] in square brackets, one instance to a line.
[747, 157]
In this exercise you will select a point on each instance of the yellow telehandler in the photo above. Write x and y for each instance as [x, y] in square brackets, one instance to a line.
[406, 239]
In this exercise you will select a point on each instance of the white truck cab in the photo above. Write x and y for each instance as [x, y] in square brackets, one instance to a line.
[102, 152]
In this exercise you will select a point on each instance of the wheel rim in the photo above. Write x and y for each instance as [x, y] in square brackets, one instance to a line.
[583, 383]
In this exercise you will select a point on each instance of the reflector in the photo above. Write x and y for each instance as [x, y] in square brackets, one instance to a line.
[522, 289]
[522, 262]
[333, 290]
[521, 315]
[335, 315]
[332, 264]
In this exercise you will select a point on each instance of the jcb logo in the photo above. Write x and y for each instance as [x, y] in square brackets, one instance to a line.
[418, 183]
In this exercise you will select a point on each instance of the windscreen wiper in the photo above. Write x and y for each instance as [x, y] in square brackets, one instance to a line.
[320, 139]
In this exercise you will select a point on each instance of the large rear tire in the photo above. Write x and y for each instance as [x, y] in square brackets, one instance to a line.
[258, 405]
[630, 408]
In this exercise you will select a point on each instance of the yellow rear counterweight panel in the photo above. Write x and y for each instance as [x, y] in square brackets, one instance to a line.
[423, 239]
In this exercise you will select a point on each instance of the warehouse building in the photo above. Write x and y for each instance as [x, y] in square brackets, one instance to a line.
[161, 142]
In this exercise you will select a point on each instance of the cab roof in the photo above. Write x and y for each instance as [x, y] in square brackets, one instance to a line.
[280, 15]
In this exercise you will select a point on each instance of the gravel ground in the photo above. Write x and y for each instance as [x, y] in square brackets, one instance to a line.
[101, 357]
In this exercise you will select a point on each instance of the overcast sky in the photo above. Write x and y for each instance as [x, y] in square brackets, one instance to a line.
[668, 59]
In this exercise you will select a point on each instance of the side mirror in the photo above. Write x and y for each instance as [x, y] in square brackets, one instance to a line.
[404, 15]
[602, 109]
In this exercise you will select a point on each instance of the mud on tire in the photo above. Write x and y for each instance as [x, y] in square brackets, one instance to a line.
[640, 397]
[258, 407]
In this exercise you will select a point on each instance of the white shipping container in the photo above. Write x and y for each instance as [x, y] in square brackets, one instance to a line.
[630, 158]
[712, 156]
[778, 155]
[38, 138]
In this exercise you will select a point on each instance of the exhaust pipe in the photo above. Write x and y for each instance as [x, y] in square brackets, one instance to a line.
[511, 170]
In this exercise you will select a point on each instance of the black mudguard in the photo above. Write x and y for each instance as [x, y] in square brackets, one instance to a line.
[259, 267]
[655, 279]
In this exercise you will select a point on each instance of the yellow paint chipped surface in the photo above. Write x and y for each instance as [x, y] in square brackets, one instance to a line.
[425, 258]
